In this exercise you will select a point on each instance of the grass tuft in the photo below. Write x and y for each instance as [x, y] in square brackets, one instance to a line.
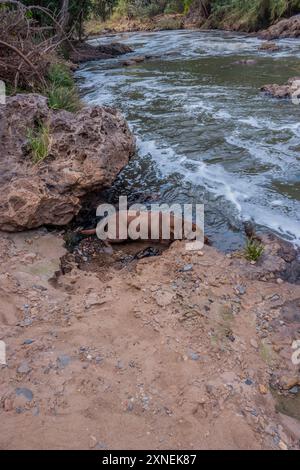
[253, 250]
[39, 143]
[63, 98]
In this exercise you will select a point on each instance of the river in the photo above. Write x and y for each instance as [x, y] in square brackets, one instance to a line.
[205, 133]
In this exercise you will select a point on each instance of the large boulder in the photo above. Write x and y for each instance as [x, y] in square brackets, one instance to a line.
[87, 150]
[287, 28]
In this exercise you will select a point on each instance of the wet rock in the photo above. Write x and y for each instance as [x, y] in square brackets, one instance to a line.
[24, 392]
[269, 46]
[88, 149]
[87, 52]
[283, 91]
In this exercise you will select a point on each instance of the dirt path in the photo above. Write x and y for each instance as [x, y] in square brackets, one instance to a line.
[170, 352]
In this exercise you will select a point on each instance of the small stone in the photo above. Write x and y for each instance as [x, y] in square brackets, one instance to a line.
[248, 382]
[294, 390]
[279, 281]
[24, 368]
[186, 268]
[19, 410]
[287, 382]
[241, 290]
[93, 300]
[120, 365]
[92, 442]
[24, 392]
[263, 389]
[63, 361]
[282, 445]
[28, 341]
[163, 298]
[254, 343]
[194, 356]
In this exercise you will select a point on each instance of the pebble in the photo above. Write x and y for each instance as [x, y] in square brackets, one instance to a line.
[63, 361]
[279, 281]
[24, 368]
[248, 382]
[254, 343]
[294, 390]
[282, 445]
[186, 268]
[240, 289]
[28, 341]
[194, 356]
[24, 392]
[263, 389]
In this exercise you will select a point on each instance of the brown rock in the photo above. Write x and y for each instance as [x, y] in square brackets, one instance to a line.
[287, 28]
[88, 149]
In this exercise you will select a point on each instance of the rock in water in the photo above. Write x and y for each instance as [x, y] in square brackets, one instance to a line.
[87, 150]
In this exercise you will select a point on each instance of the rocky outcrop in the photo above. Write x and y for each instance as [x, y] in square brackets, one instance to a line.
[287, 28]
[86, 152]
[86, 52]
[289, 90]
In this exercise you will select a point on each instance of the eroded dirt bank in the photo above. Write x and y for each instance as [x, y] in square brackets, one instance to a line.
[171, 352]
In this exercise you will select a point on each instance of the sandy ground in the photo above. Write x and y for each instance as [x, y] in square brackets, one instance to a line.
[170, 352]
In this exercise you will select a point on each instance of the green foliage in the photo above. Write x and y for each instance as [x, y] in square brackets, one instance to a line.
[39, 142]
[60, 97]
[251, 15]
[147, 8]
[253, 250]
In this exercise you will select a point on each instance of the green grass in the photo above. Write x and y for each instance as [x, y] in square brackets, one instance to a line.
[63, 98]
[60, 76]
[61, 91]
[39, 143]
[253, 250]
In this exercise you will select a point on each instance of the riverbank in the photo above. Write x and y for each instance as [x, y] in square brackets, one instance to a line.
[281, 29]
[182, 349]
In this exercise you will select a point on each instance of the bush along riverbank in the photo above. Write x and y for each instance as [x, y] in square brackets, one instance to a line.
[247, 16]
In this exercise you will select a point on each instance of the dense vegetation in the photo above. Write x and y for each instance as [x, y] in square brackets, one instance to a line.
[248, 14]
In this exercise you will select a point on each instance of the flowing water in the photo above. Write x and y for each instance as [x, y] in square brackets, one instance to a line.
[204, 131]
